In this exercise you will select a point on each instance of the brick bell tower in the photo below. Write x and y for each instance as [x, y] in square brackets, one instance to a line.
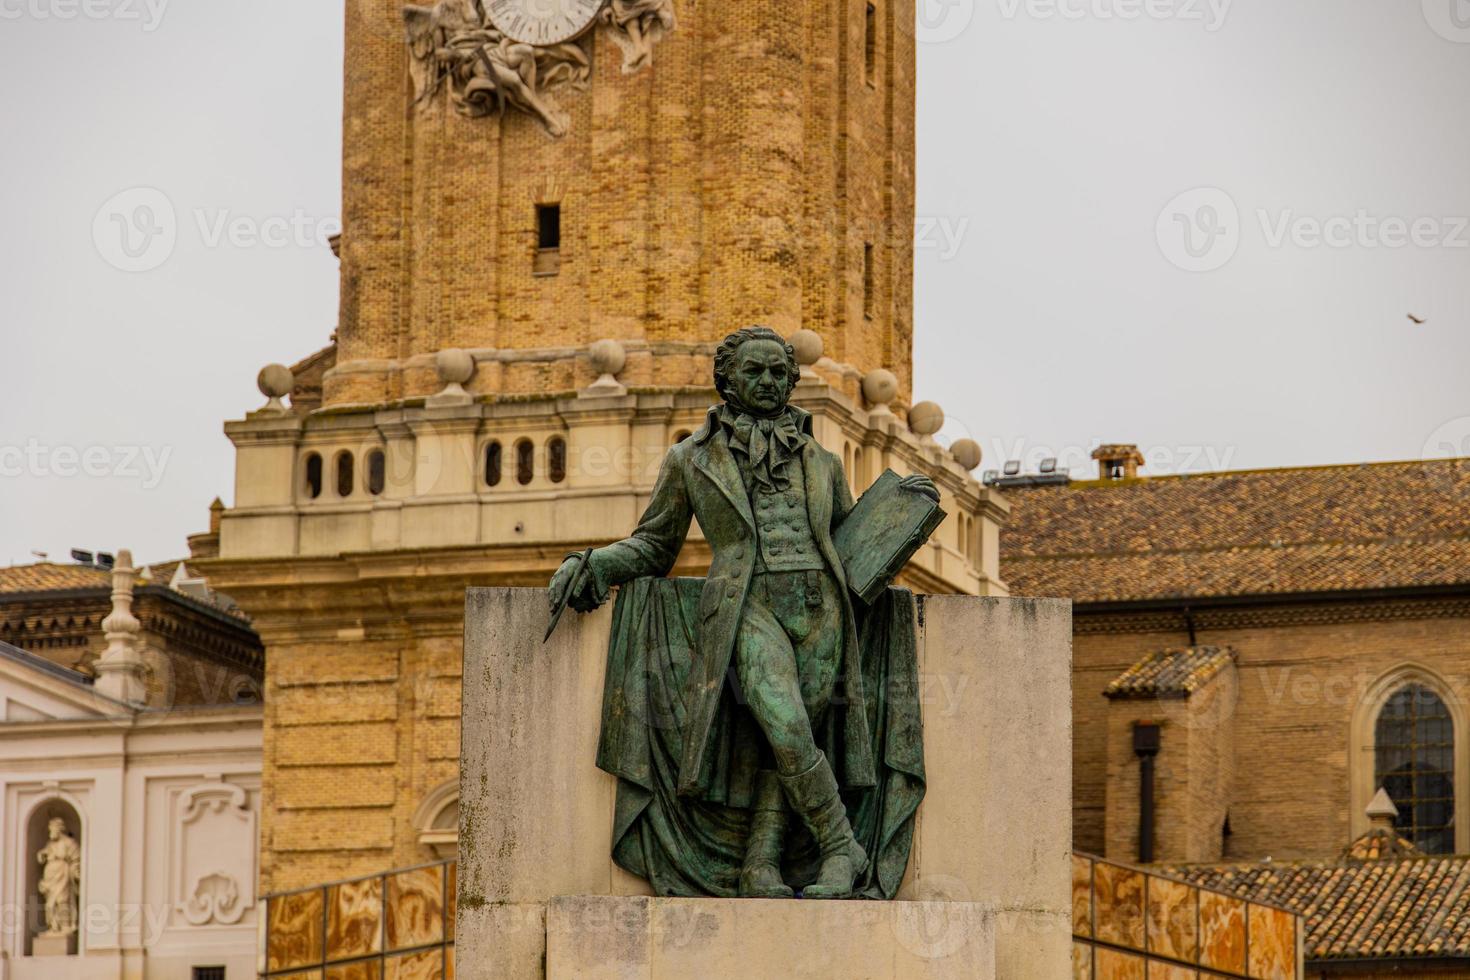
[552, 213]
[757, 166]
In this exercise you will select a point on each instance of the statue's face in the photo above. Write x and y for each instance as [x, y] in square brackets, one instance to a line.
[56, 827]
[760, 375]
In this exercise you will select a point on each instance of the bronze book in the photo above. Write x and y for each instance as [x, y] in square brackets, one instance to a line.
[884, 529]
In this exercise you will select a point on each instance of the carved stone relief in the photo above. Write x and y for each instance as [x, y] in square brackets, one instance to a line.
[214, 854]
[457, 45]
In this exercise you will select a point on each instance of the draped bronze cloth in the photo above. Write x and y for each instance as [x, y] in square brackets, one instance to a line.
[694, 845]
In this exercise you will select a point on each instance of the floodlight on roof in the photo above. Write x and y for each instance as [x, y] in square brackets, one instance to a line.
[1049, 465]
[84, 557]
[1013, 467]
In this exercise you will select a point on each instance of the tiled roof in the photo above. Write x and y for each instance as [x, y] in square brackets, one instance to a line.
[1388, 909]
[1328, 528]
[1379, 844]
[1170, 672]
[48, 576]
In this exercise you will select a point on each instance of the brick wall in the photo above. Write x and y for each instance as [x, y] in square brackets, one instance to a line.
[1301, 672]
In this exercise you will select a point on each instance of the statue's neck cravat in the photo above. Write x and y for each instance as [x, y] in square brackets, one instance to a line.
[764, 447]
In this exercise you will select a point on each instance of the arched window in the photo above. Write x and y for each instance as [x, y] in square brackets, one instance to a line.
[556, 459]
[525, 461]
[377, 472]
[493, 463]
[1414, 760]
[313, 475]
[344, 474]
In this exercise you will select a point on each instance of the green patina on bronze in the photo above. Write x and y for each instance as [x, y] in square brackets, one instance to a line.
[763, 722]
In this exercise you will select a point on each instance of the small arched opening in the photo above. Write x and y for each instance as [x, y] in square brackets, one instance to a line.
[312, 484]
[345, 468]
[525, 461]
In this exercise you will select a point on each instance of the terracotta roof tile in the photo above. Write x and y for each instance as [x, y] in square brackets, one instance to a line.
[1171, 672]
[1328, 528]
[46, 576]
[1380, 844]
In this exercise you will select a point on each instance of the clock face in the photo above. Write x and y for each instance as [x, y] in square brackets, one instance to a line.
[542, 22]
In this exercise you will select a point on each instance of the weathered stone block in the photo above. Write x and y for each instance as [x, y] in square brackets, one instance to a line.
[609, 938]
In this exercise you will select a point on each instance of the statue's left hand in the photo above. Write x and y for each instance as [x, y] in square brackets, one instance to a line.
[920, 484]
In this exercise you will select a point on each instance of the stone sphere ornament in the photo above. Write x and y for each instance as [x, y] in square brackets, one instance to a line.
[608, 360]
[880, 387]
[966, 452]
[455, 366]
[925, 419]
[275, 382]
[608, 356]
[808, 347]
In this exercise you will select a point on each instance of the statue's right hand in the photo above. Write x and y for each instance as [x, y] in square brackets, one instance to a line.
[562, 580]
[575, 584]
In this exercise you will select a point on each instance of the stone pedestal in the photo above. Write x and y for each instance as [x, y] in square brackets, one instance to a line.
[51, 945]
[992, 838]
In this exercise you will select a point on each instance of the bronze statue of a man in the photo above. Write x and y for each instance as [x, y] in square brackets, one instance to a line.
[775, 604]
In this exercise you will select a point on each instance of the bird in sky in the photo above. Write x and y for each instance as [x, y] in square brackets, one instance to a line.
[1416, 319]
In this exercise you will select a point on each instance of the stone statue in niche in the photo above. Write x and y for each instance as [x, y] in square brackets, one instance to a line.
[61, 876]
[763, 722]
[516, 53]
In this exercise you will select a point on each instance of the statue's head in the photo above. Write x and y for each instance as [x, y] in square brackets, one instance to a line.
[755, 370]
[56, 828]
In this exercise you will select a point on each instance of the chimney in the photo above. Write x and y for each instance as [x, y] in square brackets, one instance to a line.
[1381, 811]
[1117, 461]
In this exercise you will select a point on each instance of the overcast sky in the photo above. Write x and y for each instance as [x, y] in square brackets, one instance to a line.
[1198, 226]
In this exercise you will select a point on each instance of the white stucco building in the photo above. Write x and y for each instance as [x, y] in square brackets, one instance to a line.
[163, 800]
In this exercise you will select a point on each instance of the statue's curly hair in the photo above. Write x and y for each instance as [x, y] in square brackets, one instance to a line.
[729, 348]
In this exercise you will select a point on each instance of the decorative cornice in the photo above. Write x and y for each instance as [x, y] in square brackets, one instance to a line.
[1097, 618]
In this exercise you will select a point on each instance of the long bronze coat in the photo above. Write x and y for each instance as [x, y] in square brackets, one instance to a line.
[701, 478]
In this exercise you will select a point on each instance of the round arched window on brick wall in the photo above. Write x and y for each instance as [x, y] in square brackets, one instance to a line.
[1408, 737]
[1414, 760]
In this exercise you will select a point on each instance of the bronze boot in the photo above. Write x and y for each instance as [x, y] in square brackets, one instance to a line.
[814, 795]
[761, 875]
